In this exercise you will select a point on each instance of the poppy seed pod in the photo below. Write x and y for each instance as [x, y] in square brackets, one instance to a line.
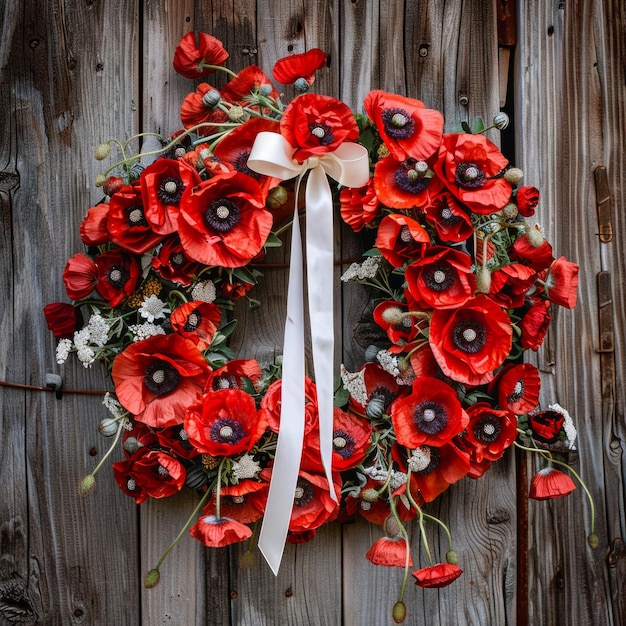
[501, 120]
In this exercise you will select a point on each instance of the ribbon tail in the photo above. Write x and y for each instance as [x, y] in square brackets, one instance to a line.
[320, 273]
[291, 433]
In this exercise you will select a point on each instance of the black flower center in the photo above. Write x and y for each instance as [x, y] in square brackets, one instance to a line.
[447, 217]
[411, 180]
[227, 431]
[171, 190]
[439, 276]
[487, 429]
[470, 176]
[384, 394]
[117, 276]
[398, 123]
[222, 215]
[430, 417]
[241, 165]
[435, 460]
[470, 336]
[517, 393]
[177, 259]
[193, 321]
[304, 493]
[323, 133]
[343, 444]
[135, 216]
[225, 381]
[160, 377]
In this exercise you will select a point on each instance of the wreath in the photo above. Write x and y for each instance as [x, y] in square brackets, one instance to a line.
[462, 283]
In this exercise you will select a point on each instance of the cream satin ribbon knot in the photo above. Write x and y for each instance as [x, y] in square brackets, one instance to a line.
[272, 155]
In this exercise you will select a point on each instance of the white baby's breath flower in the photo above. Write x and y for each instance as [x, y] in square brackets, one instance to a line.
[114, 407]
[354, 384]
[64, 347]
[361, 271]
[98, 330]
[568, 425]
[204, 291]
[143, 331]
[245, 467]
[388, 362]
[420, 459]
[153, 308]
[397, 479]
[81, 338]
[85, 355]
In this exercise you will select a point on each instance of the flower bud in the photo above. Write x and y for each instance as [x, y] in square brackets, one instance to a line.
[510, 211]
[131, 445]
[393, 315]
[102, 151]
[391, 526]
[112, 184]
[151, 579]
[501, 120]
[513, 175]
[266, 89]
[100, 178]
[483, 280]
[276, 198]
[301, 85]
[399, 612]
[535, 236]
[107, 427]
[369, 495]
[371, 352]
[452, 557]
[236, 114]
[593, 540]
[211, 98]
[87, 485]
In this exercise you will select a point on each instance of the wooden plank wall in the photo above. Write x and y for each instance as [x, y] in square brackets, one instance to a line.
[73, 73]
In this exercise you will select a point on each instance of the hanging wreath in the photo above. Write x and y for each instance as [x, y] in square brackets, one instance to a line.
[462, 285]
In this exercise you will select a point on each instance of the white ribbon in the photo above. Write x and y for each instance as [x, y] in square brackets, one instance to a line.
[272, 155]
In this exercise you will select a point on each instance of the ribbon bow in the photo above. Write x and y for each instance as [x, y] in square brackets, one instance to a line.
[272, 155]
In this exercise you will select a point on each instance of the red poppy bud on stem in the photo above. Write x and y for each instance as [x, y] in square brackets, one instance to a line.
[399, 612]
[151, 579]
[87, 485]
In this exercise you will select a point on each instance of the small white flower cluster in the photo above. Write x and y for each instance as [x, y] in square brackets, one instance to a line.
[568, 425]
[388, 362]
[95, 334]
[379, 474]
[361, 271]
[354, 384]
[204, 292]
[143, 331]
[114, 407]
[245, 467]
[420, 459]
[153, 308]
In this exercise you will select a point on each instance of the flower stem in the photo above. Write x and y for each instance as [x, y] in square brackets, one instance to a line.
[120, 428]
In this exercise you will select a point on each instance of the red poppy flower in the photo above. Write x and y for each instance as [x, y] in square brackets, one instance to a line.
[127, 222]
[470, 342]
[423, 362]
[158, 378]
[539, 258]
[140, 435]
[315, 125]
[174, 439]
[449, 218]
[249, 80]
[93, 228]
[469, 166]
[374, 508]
[162, 186]
[440, 575]
[359, 206]
[61, 319]
[527, 199]
[199, 107]
[289, 69]
[406, 126]
[400, 328]
[550, 483]
[441, 279]
[234, 289]
[216, 532]
[489, 432]
[80, 276]
[223, 222]
[517, 387]
[244, 502]
[433, 469]
[510, 284]
[546, 425]
[389, 551]
[300, 538]
[192, 56]
[117, 275]
[400, 239]
[225, 423]
[234, 375]
[561, 283]
[404, 184]
[149, 473]
[312, 504]
[380, 386]
[196, 321]
[430, 415]
[534, 324]
[171, 262]
[272, 403]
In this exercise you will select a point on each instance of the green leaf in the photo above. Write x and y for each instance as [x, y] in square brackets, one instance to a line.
[273, 241]
[243, 274]
[478, 125]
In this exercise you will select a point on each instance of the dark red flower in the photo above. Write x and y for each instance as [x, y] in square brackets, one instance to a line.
[93, 228]
[127, 222]
[539, 258]
[546, 425]
[550, 483]
[225, 423]
[400, 239]
[149, 473]
[440, 575]
[315, 125]
[390, 552]
[223, 221]
[527, 199]
[244, 502]
[469, 166]
[117, 275]
[162, 186]
[441, 279]
[489, 432]
[359, 206]
[517, 387]
[158, 378]
[80, 276]
[304, 65]
[234, 289]
[449, 218]
[171, 262]
[192, 55]
[406, 126]
[471, 341]
[561, 283]
[430, 415]
[199, 107]
[510, 284]
[216, 532]
[61, 318]
[174, 439]
[236, 374]
[405, 184]
[534, 324]
[197, 321]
